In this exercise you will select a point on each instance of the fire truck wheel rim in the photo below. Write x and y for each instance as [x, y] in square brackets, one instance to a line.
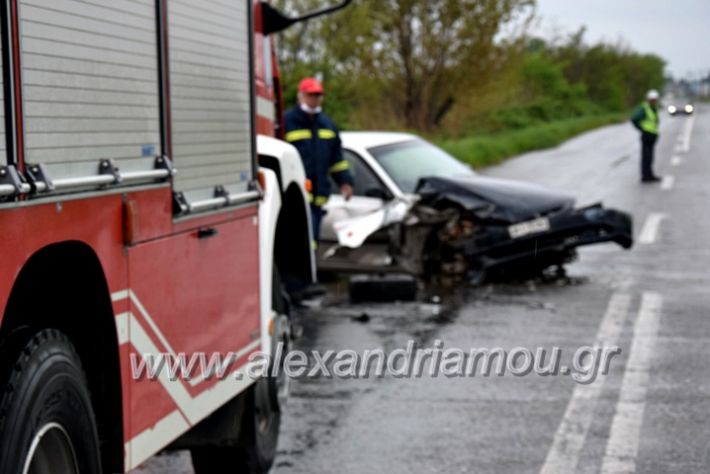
[51, 452]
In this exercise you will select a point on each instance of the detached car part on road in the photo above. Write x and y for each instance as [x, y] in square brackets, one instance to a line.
[417, 209]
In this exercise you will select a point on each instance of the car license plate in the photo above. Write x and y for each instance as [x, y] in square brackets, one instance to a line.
[530, 227]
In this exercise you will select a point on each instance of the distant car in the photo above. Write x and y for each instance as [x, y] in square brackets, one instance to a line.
[418, 210]
[687, 109]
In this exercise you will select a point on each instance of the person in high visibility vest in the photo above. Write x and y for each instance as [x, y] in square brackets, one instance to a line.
[646, 120]
[318, 142]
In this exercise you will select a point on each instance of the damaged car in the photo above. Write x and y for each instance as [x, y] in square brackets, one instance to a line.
[418, 210]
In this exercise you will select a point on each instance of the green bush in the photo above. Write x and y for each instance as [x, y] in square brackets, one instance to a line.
[486, 150]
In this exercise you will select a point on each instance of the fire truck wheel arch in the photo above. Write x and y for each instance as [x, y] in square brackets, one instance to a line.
[78, 305]
[293, 233]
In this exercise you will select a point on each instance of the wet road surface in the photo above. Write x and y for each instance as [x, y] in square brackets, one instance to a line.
[649, 415]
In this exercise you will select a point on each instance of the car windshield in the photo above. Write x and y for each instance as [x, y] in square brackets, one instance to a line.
[407, 162]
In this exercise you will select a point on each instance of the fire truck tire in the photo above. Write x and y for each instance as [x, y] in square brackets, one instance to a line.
[260, 432]
[47, 424]
[255, 451]
[281, 341]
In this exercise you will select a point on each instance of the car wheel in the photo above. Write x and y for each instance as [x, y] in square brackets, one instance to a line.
[47, 424]
[255, 450]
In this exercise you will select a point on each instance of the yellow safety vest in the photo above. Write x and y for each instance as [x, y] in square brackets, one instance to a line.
[649, 123]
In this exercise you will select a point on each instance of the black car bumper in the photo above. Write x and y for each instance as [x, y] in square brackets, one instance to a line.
[495, 248]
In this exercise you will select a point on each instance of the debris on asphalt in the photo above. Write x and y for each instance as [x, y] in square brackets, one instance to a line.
[382, 288]
[362, 318]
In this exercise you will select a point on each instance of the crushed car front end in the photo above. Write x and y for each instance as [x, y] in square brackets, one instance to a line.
[444, 221]
[518, 230]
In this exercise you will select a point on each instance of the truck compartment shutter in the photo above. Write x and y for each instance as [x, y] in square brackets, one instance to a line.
[91, 88]
[210, 96]
[3, 137]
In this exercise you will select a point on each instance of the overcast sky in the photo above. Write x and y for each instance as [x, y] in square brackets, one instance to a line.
[677, 30]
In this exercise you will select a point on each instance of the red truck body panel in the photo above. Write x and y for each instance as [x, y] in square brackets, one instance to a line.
[172, 291]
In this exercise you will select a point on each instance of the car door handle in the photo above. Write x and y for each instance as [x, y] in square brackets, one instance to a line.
[207, 232]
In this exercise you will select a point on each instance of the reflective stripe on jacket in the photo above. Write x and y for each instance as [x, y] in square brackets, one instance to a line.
[318, 143]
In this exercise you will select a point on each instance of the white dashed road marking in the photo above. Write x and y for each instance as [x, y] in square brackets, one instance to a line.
[684, 139]
[649, 232]
[667, 183]
[676, 161]
[622, 446]
[563, 456]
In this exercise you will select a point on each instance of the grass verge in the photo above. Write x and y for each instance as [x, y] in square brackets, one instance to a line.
[486, 150]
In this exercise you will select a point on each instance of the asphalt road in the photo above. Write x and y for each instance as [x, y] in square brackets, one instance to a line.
[649, 414]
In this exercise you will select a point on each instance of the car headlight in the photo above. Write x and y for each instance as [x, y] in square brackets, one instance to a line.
[688, 109]
[671, 109]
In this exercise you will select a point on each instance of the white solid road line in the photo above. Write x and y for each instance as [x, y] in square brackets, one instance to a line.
[667, 183]
[623, 443]
[649, 232]
[563, 456]
[676, 161]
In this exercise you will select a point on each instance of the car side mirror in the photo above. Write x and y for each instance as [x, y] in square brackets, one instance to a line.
[377, 193]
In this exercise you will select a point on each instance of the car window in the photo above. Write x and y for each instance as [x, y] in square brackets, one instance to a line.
[363, 176]
[409, 161]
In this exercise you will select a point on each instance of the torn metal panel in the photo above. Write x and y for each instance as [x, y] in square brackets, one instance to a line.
[352, 232]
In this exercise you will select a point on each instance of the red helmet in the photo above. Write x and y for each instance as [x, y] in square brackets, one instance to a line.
[310, 85]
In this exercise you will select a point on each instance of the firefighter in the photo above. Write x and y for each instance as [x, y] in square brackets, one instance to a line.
[318, 142]
[646, 120]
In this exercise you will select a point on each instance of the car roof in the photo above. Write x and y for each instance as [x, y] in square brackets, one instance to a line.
[373, 139]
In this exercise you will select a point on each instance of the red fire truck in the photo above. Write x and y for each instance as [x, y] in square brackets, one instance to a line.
[146, 208]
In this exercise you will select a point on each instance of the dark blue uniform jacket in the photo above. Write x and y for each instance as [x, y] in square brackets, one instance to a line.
[318, 141]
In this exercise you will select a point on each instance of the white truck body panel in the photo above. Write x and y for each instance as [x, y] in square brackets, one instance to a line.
[292, 174]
